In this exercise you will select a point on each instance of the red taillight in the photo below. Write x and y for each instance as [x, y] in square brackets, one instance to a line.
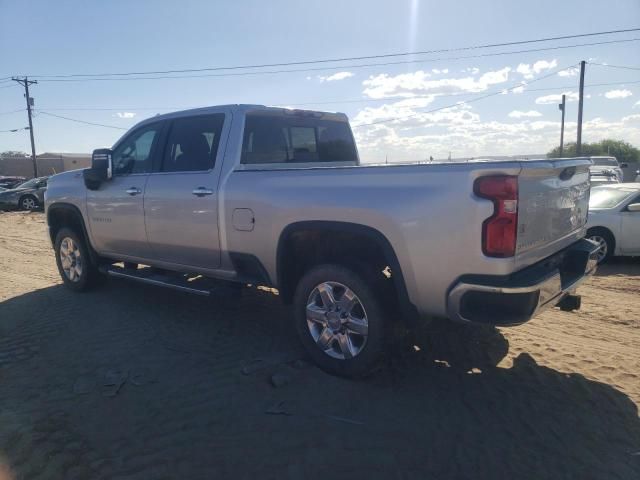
[500, 230]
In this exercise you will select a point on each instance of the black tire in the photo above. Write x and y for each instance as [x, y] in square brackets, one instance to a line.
[26, 199]
[604, 234]
[378, 328]
[89, 276]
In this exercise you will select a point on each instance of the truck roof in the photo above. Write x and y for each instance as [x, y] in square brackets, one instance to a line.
[243, 108]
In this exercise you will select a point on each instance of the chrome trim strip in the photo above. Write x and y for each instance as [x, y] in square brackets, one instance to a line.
[159, 283]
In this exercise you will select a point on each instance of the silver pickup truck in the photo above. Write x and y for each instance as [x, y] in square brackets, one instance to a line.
[246, 194]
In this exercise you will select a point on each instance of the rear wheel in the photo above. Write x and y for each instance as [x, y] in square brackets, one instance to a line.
[29, 202]
[605, 241]
[340, 321]
[74, 264]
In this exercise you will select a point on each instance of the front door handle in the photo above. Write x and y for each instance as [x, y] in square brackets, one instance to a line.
[202, 191]
[133, 191]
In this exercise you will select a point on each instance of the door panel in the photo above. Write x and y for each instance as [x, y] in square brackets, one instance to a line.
[630, 231]
[117, 218]
[183, 227]
[181, 201]
[116, 209]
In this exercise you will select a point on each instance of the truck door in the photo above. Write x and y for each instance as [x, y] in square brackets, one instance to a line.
[115, 210]
[181, 198]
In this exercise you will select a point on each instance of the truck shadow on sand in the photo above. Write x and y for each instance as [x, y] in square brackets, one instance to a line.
[438, 408]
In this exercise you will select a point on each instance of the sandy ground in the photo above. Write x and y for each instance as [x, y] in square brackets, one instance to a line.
[135, 382]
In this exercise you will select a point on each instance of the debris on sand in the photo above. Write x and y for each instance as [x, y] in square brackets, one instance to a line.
[278, 409]
[113, 381]
[345, 420]
[280, 379]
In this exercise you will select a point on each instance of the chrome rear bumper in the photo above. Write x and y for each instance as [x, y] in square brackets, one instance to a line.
[517, 298]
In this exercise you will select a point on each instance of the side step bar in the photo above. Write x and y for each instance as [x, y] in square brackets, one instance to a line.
[152, 277]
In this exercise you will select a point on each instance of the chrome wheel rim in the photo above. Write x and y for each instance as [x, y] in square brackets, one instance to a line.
[28, 203]
[337, 320]
[71, 259]
[603, 248]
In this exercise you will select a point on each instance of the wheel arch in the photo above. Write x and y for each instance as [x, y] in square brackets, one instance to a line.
[60, 215]
[606, 230]
[369, 239]
[26, 195]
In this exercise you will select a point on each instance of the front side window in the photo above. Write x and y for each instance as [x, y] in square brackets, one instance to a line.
[193, 142]
[133, 155]
[293, 139]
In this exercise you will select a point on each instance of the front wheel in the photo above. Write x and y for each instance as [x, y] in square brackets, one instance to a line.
[29, 202]
[340, 321]
[605, 241]
[74, 264]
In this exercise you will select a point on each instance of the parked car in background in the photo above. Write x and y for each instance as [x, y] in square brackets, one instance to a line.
[11, 182]
[606, 170]
[614, 219]
[26, 196]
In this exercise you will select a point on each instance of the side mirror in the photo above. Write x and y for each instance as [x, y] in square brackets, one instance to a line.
[634, 207]
[101, 169]
[624, 165]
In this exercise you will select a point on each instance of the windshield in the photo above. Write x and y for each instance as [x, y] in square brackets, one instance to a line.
[604, 197]
[29, 183]
[608, 161]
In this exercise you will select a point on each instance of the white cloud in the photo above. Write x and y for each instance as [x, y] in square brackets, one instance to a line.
[557, 98]
[529, 71]
[410, 84]
[637, 104]
[126, 114]
[612, 94]
[570, 72]
[520, 114]
[336, 76]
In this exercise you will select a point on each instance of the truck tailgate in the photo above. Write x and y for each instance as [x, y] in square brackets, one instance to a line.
[553, 205]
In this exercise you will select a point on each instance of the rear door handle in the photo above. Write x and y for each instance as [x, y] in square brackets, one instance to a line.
[133, 191]
[202, 191]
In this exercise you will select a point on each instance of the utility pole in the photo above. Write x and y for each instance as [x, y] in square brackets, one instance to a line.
[25, 82]
[561, 107]
[580, 102]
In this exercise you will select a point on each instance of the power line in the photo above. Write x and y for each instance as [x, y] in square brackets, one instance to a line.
[343, 59]
[328, 102]
[498, 92]
[81, 121]
[14, 130]
[12, 111]
[340, 67]
[625, 67]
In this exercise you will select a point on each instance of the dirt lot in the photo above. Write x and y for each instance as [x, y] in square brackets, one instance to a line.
[135, 382]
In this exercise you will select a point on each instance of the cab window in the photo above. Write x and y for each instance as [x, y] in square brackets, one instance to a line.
[133, 155]
[193, 142]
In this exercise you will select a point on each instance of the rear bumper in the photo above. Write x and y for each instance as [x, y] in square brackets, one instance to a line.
[516, 298]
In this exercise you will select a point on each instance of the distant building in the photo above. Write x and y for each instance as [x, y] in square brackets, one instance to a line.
[48, 163]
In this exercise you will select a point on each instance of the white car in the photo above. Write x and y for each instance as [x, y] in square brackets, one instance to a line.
[606, 170]
[614, 219]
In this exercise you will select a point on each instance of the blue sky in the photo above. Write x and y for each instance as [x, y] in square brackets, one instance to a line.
[48, 38]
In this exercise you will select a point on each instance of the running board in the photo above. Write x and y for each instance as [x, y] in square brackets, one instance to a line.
[150, 276]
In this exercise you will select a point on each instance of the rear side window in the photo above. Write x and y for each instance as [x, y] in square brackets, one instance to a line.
[192, 144]
[293, 139]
